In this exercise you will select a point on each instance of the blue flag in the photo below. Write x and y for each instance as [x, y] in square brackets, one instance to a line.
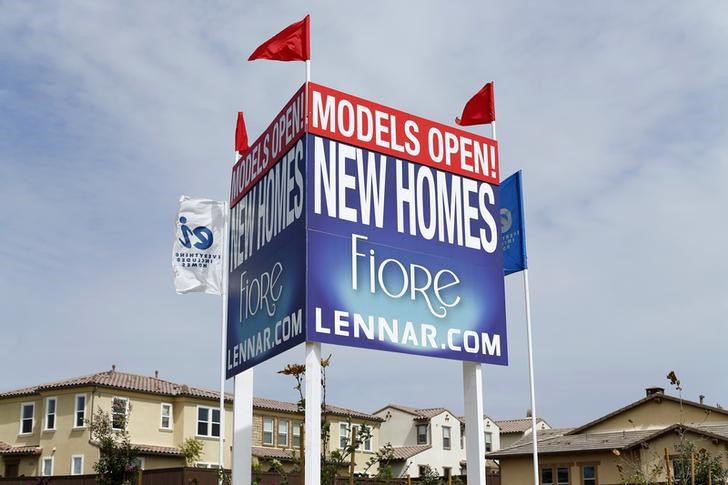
[513, 233]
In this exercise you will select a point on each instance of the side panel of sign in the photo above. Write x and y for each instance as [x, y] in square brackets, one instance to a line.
[402, 257]
[266, 292]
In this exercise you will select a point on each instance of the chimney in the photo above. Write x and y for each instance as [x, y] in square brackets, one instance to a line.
[156, 374]
[701, 398]
[113, 367]
[529, 413]
[654, 390]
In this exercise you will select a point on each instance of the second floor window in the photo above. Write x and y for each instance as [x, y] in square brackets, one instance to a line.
[208, 421]
[489, 441]
[26, 417]
[119, 412]
[343, 435]
[421, 434]
[80, 412]
[50, 421]
[366, 444]
[268, 425]
[282, 432]
[296, 434]
[446, 437]
[166, 416]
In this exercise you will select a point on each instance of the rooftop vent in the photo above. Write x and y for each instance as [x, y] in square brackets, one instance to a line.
[654, 390]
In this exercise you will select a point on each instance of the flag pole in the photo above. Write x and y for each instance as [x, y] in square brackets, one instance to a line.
[529, 334]
[534, 432]
[223, 332]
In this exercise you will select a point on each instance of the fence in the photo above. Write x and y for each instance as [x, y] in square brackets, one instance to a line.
[204, 476]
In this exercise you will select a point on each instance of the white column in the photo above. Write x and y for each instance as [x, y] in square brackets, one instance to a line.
[243, 428]
[312, 429]
[474, 432]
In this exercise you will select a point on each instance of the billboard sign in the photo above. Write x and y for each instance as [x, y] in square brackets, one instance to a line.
[403, 236]
[365, 226]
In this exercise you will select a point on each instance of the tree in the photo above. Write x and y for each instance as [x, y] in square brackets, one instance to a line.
[191, 451]
[337, 460]
[118, 460]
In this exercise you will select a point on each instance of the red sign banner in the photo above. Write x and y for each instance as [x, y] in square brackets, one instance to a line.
[270, 146]
[356, 121]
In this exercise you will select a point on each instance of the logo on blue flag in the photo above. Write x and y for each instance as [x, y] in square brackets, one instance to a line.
[513, 234]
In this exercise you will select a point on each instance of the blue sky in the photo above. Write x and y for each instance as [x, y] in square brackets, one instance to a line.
[615, 111]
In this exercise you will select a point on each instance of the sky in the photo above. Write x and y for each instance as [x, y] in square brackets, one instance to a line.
[615, 112]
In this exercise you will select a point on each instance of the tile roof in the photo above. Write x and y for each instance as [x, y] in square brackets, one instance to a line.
[419, 413]
[289, 407]
[516, 425]
[273, 453]
[122, 380]
[406, 452]
[153, 385]
[157, 450]
[557, 442]
[10, 450]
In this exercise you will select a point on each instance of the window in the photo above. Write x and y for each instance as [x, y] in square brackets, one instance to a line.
[446, 437]
[282, 433]
[268, 424]
[421, 434]
[119, 412]
[589, 475]
[47, 466]
[446, 473]
[27, 410]
[343, 435]
[50, 418]
[208, 421]
[562, 475]
[367, 442]
[488, 441]
[555, 475]
[166, 416]
[77, 465]
[139, 462]
[80, 414]
[296, 434]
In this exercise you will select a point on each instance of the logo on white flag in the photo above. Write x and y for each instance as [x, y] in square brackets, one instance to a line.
[197, 251]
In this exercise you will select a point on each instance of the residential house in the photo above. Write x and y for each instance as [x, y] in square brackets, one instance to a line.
[429, 436]
[513, 430]
[277, 433]
[44, 429]
[641, 437]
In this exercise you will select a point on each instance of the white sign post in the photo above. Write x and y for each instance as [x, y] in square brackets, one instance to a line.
[474, 437]
[312, 429]
[243, 428]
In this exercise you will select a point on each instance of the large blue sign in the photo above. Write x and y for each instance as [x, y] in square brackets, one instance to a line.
[402, 257]
[267, 265]
[355, 224]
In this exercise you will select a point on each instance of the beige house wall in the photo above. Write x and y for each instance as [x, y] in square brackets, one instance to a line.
[657, 415]
[519, 470]
[360, 457]
[60, 443]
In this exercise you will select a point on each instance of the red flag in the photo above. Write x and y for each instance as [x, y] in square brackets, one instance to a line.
[480, 110]
[290, 44]
[241, 135]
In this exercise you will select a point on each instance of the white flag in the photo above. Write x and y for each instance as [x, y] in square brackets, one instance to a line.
[198, 246]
